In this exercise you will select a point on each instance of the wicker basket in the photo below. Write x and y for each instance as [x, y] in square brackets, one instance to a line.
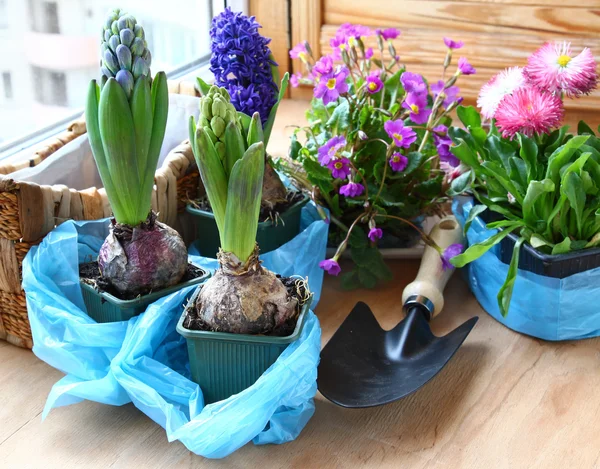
[29, 211]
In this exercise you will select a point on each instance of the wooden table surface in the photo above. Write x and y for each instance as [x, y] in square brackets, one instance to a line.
[504, 401]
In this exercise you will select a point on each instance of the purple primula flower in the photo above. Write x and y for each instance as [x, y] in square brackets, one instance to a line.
[417, 105]
[413, 83]
[338, 43]
[295, 79]
[450, 94]
[331, 148]
[465, 67]
[323, 66]
[375, 234]
[299, 52]
[356, 31]
[398, 162]
[451, 251]
[443, 144]
[374, 83]
[369, 53]
[352, 189]
[340, 168]
[332, 85]
[390, 33]
[241, 62]
[330, 266]
[441, 130]
[403, 136]
[450, 44]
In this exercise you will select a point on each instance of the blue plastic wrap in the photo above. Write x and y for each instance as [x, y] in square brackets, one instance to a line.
[145, 361]
[544, 307]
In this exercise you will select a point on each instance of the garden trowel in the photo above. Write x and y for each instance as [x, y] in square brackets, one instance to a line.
[364, 366]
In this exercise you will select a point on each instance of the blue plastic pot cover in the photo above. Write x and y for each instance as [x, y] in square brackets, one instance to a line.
[145, 361]
[544, 307]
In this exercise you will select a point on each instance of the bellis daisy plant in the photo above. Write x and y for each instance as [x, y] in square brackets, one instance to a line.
[372, 153]
[538, 180]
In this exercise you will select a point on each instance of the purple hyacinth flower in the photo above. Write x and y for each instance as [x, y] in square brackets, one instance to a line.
[332, 85]
[398, 162]
[450, 44]
[402, 136]
[352, 189]
[375, 234]
[330, 266]
[465, 67]
[340, 168]
[331, 148]
[451, 251]
[389, 33]
[413, 83]
[417, 105]
[374, 83]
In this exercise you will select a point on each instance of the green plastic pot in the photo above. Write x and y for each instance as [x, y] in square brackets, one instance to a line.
[269, 235]
[104, 307]
[224, 364]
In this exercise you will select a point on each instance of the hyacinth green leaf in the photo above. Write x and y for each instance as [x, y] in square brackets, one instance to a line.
[274, 69]
[243, 202]
[93, 131]
[255, 130]
[213, 177]
[141, 109]
[506, 291]
[562, 155]
[273, 113]
[203, 86]
[234, 144]
[477, 250]
[118, 140]
[245, 120]
[192, 131]
[160, 110]
[534, 191]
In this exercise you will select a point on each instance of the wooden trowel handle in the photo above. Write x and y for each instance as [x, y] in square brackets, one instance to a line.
[432, 277]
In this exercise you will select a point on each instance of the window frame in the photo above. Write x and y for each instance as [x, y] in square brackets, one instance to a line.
[189, 70]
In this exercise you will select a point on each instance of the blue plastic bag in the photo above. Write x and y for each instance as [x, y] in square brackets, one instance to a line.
[145, 361]
[544, 307]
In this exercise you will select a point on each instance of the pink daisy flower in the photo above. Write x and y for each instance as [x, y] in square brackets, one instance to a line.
[553, 68]
[528, 111]
[500, 85]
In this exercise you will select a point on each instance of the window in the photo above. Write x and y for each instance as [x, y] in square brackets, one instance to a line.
[7, 85]
[50, 52]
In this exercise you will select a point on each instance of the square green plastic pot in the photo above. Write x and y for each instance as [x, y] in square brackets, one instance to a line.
[104, 307]
[269, 235]
[224, 364]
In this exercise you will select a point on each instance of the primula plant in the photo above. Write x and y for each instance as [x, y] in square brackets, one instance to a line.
[243, 64]
[242, 296]
[541, 182]
[376, 150]
[126, 117]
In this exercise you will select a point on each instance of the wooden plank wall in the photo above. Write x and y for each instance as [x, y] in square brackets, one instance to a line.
[497, 33]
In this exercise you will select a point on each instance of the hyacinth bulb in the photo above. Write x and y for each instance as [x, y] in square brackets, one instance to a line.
[125, 54]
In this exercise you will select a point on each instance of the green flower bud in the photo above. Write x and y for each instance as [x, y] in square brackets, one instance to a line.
[140, 67]
[127, 37]
[138, 31]
[137, 47]
[204, 122]
[206, 107]
[217, 124]
[114, 42]
[220, 147]
[125, 79]
[107, 34]
[210, 134]
[147, 56]
[115, 27]
[110, 61]
[219, 107]
[124, 57]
